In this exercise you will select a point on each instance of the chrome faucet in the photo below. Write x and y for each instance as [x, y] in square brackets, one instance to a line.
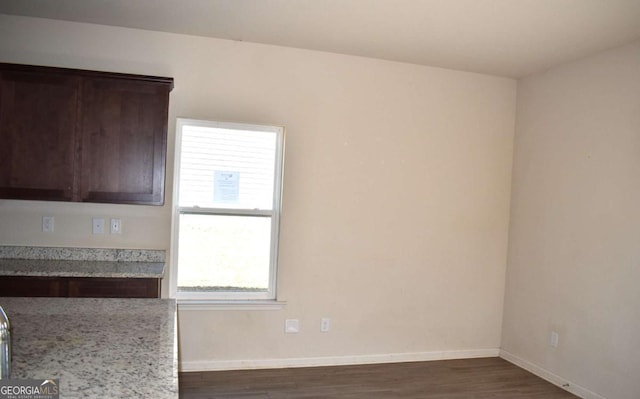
[5, 346]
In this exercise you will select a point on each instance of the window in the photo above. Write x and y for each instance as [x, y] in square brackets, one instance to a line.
[227, 210]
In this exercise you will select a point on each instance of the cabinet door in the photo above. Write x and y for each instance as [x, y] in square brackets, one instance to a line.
[113, 287]
[124, 130]
[79, 287]
[37, 131]
[23, 286]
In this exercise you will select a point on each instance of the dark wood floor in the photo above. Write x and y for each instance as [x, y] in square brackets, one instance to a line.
[484, 378]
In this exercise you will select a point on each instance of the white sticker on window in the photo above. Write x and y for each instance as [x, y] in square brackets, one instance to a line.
[226, 187]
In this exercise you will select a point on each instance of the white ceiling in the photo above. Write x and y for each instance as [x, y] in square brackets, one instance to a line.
[502, 37]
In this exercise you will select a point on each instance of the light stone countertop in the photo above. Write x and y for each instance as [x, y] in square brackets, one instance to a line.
[81, 262]
[80, 268]
[97, 348]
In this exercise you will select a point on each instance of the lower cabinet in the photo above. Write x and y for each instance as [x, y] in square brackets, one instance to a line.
[79, 287]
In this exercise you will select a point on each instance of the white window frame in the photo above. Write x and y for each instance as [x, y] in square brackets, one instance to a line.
[233, 297]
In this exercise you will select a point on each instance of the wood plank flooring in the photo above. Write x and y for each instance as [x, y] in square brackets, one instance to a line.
[484, 378]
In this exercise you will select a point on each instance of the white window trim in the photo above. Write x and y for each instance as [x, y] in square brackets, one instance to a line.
[240, 300]
[186, 304]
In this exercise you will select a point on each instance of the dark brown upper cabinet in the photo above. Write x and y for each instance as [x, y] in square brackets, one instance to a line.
[85, 136]
[38, 118]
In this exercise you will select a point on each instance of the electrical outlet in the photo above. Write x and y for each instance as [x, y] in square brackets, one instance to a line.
[291, 326]
[325, 323]
[97, 225]
[554, 339]
[116, 226]
[47, 224]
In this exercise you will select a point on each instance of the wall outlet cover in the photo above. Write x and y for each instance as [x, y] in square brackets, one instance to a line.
[116, 226]
[325, 323]
[97, 225]
[554, 339]
[292, 326]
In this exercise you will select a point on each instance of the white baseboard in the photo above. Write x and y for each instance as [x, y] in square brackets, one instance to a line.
[575, 389]
[217, 365]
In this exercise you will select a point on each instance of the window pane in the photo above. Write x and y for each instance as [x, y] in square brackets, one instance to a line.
[227, 168]
[224, 253]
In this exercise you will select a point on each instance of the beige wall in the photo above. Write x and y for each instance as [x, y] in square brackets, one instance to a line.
[574, 253]
[396, 191]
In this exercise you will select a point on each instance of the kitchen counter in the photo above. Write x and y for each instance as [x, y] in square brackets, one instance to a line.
[96, 347]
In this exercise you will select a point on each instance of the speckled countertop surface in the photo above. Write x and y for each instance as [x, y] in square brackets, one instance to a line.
[98, 348]
[81, 262]
[79, 268]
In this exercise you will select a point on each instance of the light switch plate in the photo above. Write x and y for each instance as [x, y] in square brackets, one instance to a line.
[47, 224]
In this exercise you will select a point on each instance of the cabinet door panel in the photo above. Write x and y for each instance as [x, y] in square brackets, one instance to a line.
[23, 286]
[124, 126]
[79, 287]
[114, 287]
[37, 130]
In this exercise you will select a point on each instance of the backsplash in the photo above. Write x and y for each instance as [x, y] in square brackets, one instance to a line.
[85, 254]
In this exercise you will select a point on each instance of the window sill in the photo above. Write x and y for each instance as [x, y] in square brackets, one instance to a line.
[191, 304]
